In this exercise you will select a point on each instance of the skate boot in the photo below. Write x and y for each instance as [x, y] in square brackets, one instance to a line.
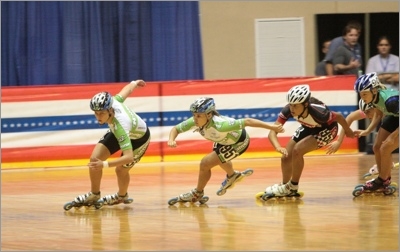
[191, 196]
[230, 182]
[88, 199]
[375, 185]
[114, 199]
[373, 171]
[287, 190]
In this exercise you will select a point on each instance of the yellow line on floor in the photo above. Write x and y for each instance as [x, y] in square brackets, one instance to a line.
[146, 159]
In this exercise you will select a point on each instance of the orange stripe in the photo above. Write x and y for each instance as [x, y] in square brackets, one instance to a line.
[188, 147]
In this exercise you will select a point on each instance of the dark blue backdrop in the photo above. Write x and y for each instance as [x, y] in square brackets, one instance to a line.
[89, 42]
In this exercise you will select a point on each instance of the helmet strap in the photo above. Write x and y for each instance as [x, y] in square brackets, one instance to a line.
[304, 109]
[109, 113]
[208, 121]
[373, 95]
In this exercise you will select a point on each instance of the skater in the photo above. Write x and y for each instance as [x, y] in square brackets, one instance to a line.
[364, 111]
[386, 104]
[230, 141]
[319, 126]
[127, 132]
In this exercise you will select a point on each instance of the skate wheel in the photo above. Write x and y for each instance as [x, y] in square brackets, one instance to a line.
[396, 166]
[259, 195]
[221, 192]
[247, 172]
[367, 175]
[68, 206]
[357, 191]
[128, 201]
[300, 195]
[394, 184]
[267, 196]
[99, 204]
[389, 190]
[358, 186]
[204, 199]
[173, 201]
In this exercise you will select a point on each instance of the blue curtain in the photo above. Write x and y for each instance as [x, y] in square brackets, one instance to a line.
[89, 42]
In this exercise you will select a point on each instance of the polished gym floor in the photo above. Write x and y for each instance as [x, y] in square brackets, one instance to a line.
[328, 217]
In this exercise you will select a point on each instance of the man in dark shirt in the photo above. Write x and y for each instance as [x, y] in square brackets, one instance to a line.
[347, 58]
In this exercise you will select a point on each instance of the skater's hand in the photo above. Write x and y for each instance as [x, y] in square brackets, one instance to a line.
[282, 150]
[140, 83]
[332, 147]
[96, 165]
[278, 128]
[360, 133]
[350, 133]
[172, 143]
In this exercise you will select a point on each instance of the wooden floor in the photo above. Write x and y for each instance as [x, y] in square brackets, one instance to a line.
[327, 218]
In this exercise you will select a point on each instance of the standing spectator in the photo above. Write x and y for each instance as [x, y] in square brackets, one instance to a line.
[336, 43]
[385, 64]
[320, 69]
[347, 58]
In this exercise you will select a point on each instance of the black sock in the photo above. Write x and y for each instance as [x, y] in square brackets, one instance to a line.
[380, 180]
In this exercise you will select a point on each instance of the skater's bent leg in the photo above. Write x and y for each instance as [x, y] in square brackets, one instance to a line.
[99, 152]
[208, 162]
[376, 148]
[385, 151]
[123, 177]
[227, 167]
[304, 146]
[286, 162]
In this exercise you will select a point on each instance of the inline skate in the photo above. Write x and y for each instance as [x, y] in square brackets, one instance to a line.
[89, 199]
[229, 183]
[192, 197]
[280, 192]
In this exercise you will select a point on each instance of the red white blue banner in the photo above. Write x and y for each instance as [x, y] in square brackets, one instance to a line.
[55, 122]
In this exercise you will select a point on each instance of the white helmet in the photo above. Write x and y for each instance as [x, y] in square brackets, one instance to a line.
[101, 101]
[203, 105]
[364, 106]
[298, 94]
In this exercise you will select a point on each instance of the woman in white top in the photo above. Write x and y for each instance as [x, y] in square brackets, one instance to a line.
[385, 64]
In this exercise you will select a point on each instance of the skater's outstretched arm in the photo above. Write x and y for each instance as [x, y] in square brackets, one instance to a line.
[335, 145]
[172, 136]
[251, 122]
[374, 123]
[342, 121]
[128, 89]
[273, 138]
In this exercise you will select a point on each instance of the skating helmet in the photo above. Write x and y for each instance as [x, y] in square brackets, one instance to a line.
[101, 101]
[366, 81]
[364, 106]
[203, 105]
[298, 94]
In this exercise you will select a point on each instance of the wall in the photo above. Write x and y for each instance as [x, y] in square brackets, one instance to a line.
[54, 123]
[227, 30]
